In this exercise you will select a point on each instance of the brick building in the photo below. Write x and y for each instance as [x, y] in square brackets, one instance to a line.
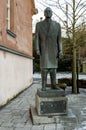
[16, 59]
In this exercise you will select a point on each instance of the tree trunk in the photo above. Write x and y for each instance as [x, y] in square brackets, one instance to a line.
[74, 75]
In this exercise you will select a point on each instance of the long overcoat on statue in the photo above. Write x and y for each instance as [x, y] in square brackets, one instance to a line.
[48, 43]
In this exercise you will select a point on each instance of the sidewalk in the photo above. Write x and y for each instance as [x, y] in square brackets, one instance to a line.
[16, 115]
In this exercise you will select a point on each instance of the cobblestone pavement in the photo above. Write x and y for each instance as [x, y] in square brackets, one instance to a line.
[16, 115]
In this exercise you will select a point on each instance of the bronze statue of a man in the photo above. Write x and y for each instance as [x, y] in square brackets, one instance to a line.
[48, 46]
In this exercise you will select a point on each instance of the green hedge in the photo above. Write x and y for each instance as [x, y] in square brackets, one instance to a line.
[68, 81]
[63, 65]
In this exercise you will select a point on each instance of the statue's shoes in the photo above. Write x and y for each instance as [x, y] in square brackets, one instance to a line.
[44, 89]
[54, 87]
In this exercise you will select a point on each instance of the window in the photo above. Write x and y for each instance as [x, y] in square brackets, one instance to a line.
[10, 15]
[10, 18]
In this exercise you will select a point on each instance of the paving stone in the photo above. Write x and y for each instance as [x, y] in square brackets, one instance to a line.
[29, 122]
[60, 127]
[50, 127]
[20, 125]
[23, 128]
[6, 124]
[5, 128]
[39, 127]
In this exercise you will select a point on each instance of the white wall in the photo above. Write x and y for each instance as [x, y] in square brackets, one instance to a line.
[16, 74]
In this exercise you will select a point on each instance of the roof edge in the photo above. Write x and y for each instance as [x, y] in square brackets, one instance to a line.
[34, 10]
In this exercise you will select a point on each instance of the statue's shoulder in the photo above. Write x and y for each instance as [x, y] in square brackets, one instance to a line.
[55, 23]
[40, 23]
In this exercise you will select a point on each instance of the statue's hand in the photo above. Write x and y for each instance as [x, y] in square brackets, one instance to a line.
[60, 54]
[38, 52]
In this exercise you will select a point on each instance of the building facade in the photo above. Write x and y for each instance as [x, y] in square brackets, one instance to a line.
[16, 61]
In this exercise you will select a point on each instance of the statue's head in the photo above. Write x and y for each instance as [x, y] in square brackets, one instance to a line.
[48, 12]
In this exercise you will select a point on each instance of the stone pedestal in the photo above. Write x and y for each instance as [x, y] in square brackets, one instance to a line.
[51, 107]
[65, 119]
[51, 102]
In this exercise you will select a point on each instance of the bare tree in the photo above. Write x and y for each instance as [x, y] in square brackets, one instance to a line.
[73, 13]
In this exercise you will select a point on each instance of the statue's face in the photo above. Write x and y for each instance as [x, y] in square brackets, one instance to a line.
[48, 12]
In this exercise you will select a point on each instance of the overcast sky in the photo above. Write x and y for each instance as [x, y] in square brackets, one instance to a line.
[36, 18]
[40, 7]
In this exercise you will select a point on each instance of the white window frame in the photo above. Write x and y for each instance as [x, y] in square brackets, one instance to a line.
[8, 14]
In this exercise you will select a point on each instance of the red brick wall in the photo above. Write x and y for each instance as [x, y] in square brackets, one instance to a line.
[22, 26]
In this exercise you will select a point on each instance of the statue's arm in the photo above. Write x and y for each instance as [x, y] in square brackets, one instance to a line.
[37, 39]
[59, 42]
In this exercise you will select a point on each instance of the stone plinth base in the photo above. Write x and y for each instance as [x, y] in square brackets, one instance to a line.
[51, 102]
[69, 118]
